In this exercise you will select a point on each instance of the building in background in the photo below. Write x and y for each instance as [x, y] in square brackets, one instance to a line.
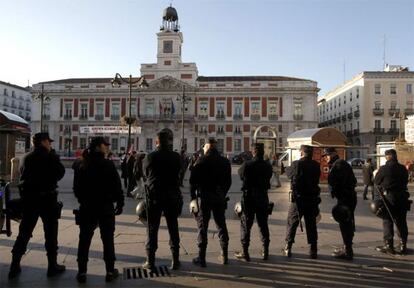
[15, 99]
[229, 108]
[370, 108]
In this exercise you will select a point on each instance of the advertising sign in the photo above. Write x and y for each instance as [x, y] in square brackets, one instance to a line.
[108, 130]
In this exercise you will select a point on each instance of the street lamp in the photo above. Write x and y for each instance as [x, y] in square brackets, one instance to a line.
[402, 117]
[42, 97]
[184, 99]
[117, 82]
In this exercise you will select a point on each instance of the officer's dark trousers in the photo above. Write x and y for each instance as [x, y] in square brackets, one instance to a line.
[247, 219]
[203, 219]
[309, 214]
[400, 217]
[90, 220]
[154, 219]
[46, 210]
[347, 230]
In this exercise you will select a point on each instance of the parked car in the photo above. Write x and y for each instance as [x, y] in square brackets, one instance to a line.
[356, 162]
[240, 158]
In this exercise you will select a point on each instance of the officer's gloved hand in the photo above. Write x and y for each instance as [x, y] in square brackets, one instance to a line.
[119, 208]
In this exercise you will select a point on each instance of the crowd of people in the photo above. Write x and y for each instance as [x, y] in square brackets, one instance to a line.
[98, 188]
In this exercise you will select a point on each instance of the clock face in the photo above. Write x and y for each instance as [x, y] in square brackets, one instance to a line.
[168, 46]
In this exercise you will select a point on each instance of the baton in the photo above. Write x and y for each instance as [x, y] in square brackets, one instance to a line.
[389, 212]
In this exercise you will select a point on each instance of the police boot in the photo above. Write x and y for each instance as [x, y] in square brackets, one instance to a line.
[54, 268]
[346, 253]
[150, 262]
[243, 255]
[388, 247]
[201, 259]
[313, 251]
[287, 251]
[82, 268]
[175, 264]
[111, 272]
[224, 256]
[15, 268]
[265, 252]
[403, 248]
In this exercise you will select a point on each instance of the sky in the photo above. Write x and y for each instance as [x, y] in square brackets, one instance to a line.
[323, 40]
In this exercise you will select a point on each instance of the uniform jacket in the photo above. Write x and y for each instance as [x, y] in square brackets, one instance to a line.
[304, 177]
[96, 183]
[367, 174]
[211, 176]
[393, 178]
[256, 175]
[40, 171]
[161, 170]
[342, 182]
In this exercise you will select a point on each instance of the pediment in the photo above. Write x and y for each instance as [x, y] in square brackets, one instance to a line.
[168, 83]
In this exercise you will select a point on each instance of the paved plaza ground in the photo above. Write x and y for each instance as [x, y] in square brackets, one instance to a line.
[369, 268]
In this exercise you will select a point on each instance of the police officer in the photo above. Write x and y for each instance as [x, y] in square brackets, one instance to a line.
[342, 182]
[304, 177]
[392, 178]
[211, 178]
[255, 175]
[41, 169]
[97, 186]
[161, 170]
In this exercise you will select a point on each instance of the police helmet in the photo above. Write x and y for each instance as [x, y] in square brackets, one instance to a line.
[141, 211]
[238, 209]
[194, 207]
[377, 207]
[341, 213]
[318, 218]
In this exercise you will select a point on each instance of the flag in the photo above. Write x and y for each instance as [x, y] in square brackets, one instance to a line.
[172, 107]
[160, 106]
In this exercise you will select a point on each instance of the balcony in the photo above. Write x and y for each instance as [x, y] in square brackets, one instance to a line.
[297, 117]
[99, 117]
[67, 132]
[343, 118]
[237, 132]
[393, 112]
[409, 111]
[28, 109]
[338, 119]
[237, 117]
[6, 104]
[220, 116]
[378, 111]
[220, 131]
[349, 133]
[202, 132]
[67, 117]
[356, 114]
[166, 118]
[202, 117]
[255, 117]
[394, 131]
[350, 115]
[379, 131]
[115, 117]
[356, 132]
[13, 106]
[273, 117]
[83, 117]
[28, 119]
[333, 120]
[46, 117]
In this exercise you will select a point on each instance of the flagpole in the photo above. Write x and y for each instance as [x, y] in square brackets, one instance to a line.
[182, 119]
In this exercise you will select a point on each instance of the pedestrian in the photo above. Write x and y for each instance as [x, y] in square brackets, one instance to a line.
[276, 171]
[132, 183]
[193, 161]
[40, 171]
[255, 175]
[304, 177]
[184, 165]
[139, 175]
[392, 180]
[97, 186]
[211, 179]
[368, 178]
[124, 172]
[161, 170]
[342, 182]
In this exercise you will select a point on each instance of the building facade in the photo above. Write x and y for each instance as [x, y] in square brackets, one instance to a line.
[229, 108]
[16, 100]
[369, 108]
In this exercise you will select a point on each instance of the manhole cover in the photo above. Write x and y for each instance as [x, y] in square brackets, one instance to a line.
[140, 273]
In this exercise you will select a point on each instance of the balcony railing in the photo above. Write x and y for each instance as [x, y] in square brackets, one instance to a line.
[297, 117]
[273, 117]
[379, 130]
[67, 117]
[6, 104]
[237, 116]
[28, 109]
[202, 117]
[409, 111]
[357, 113]
[255, 117]
[220, 116]
[393, 112]
[46, 117]
[338, 119]
[333, 120]
[28, 119]
[393, 131]
[67, 131]
[349, 133]
[237, 132]
[169, 117]
[99, 117]
[83, 117]
[356, 132]
[220, 131]
[202, 132]
[350, 115]
[115, 117]
[378, 111]
[343, 117]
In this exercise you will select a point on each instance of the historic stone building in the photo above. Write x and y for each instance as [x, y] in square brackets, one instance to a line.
[229, 108]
